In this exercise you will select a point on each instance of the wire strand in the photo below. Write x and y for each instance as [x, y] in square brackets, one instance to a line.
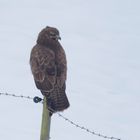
[38, 99]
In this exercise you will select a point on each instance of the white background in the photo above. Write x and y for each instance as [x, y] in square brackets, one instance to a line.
[102, 42]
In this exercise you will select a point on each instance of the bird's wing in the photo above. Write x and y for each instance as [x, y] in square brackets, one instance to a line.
[42, 61]
[61, 67]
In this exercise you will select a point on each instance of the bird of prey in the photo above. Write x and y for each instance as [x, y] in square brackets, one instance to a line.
[49, 68]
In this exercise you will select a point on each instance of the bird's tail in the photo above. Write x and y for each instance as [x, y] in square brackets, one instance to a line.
[57, 100]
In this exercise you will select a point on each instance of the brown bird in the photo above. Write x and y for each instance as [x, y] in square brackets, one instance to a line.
[49, 68]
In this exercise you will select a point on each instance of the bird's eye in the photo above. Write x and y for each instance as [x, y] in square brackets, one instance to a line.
[52, 33]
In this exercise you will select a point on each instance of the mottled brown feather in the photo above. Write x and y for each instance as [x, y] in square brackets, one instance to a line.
[49, 68]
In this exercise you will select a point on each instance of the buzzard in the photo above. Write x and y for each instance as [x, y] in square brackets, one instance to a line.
[49, 68]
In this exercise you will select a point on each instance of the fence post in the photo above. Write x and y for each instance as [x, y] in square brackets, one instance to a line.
[46, 121]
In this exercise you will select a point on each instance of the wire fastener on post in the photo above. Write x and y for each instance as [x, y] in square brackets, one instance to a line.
[37, 99]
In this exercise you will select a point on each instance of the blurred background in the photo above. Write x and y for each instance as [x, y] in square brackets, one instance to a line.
[102, 44]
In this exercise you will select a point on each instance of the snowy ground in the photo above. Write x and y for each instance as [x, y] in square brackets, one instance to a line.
[101, 40]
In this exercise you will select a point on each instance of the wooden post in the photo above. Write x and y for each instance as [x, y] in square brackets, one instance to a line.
[46, 121]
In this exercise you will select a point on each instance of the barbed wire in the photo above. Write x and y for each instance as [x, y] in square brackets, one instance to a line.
[38, 99]
[86, 129]
[17, 96]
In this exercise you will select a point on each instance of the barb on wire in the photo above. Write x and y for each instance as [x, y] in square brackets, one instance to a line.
[86, 129]
[17, 96]
[38, 99]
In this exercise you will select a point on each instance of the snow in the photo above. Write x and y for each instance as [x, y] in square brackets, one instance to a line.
[101, 40]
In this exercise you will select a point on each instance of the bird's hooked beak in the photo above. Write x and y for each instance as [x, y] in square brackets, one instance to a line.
[58, 37]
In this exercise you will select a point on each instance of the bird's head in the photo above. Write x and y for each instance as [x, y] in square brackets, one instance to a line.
[53, 33]
[48, 35]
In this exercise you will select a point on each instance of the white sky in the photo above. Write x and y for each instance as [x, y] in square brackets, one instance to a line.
[101, 40]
